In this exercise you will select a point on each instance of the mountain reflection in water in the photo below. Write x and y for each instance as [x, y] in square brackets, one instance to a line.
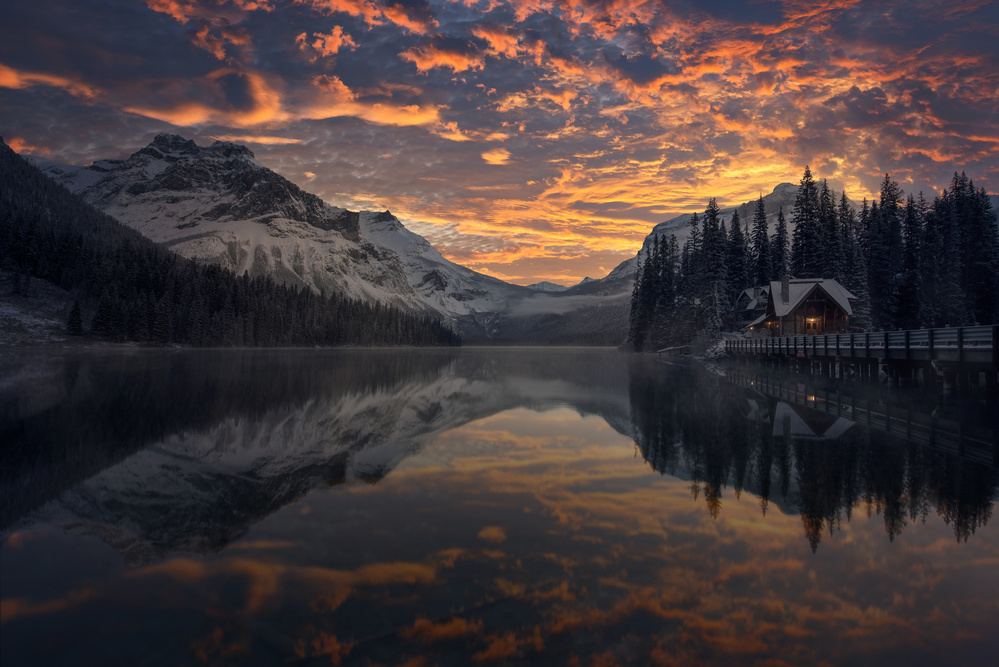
[488, 506]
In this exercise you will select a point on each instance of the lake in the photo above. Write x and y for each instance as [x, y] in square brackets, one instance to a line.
[486, 506]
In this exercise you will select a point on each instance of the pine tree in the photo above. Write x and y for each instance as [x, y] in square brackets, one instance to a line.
[884, 255]
[831, 248]
[981, 263]
[908, 289]
[737, 264]
[779, 248]
[806, 246]
[664, 313]
[762, 272]
[857, 280]
[714, 300]
[847, 227]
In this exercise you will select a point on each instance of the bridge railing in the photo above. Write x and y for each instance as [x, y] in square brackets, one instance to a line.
[952, 342]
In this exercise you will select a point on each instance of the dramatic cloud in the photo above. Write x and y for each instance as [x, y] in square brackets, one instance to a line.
[532, 139]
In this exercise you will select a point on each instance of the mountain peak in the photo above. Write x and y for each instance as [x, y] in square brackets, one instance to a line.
[229, 149]
[172, 143]
[547, 286]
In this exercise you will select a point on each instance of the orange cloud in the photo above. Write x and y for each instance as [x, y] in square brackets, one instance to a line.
[500, 647]
[496, 156]
[501, 42]
[376, 14]
[216, 45]
[450, 130]
[494, 534]
[232, 10]
[11, 608]
[18, 145]
[12, 78]
[429, 632]
[429, 56]
[266, 104]
[326, 45]
[256, 139]
[181, 11]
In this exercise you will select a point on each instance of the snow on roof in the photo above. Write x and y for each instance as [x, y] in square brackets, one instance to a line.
[801, 287]
[757, 297]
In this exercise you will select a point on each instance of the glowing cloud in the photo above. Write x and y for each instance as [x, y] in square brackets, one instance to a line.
[429, 56]
[252, 139]
[496, 156]
[325, 45]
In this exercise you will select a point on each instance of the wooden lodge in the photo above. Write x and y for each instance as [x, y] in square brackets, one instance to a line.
[805, 306]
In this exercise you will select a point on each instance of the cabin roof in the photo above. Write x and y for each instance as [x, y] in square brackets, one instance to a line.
[756, 297]
[801, 287]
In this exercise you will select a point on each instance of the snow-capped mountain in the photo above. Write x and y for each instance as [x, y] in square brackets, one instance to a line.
[218, 204]
[545, 286]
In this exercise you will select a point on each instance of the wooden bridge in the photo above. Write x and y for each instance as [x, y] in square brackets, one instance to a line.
[974, 442]
[958, 353]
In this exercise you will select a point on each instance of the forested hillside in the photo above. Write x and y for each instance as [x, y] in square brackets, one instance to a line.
[910, 263]
[141, 292]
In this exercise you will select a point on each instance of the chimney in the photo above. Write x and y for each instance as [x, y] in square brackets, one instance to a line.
[785, 288]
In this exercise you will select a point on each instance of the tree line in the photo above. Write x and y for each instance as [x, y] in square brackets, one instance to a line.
[139, 291]
[910, 263]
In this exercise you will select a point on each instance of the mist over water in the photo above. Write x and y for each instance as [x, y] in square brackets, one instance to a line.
[493, 506]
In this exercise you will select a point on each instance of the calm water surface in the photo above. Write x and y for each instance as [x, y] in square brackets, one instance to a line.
[576, 507]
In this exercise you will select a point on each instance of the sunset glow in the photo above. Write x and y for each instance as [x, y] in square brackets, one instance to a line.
[528, 139]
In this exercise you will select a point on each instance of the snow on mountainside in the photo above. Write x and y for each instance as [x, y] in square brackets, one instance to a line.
[220, 205]
[470, 298]
[545, 286]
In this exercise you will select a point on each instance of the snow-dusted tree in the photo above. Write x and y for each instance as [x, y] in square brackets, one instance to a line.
[762, 273]
[855, 267]
[714, 299]
[806, 244]
[779, 248]
[737, 263]
[831, 246]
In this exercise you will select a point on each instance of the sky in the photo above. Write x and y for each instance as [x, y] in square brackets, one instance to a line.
[527, 139]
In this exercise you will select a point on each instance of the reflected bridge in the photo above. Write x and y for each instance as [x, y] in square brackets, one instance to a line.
[976, 443]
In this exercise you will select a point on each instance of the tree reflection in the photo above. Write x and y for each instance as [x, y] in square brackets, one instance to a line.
[818, 464]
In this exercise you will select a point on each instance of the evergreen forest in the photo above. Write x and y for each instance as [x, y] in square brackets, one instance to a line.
[139, 291]
[910, 263]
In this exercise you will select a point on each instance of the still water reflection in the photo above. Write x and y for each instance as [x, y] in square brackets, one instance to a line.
[485, 507]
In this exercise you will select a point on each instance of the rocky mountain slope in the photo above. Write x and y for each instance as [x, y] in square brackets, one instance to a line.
[218, 204]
